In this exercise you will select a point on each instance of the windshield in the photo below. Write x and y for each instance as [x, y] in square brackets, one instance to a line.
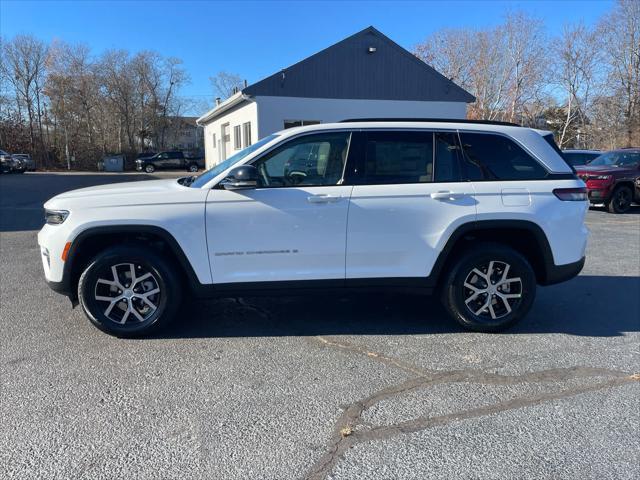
[617, 159]
[207, 176]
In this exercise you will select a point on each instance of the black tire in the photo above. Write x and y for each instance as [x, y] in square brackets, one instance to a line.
[192, 168]
[620, 201]
[149, 168]
[163, 277]
[495, 316]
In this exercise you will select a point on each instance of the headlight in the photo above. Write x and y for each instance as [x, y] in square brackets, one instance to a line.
[55, 217]
[601, 177]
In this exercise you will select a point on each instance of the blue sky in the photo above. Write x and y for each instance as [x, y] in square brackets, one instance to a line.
[255, 39]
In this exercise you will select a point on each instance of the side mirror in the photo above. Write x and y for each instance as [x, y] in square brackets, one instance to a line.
[242, 177]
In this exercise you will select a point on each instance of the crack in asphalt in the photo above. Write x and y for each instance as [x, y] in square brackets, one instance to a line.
[346, 433]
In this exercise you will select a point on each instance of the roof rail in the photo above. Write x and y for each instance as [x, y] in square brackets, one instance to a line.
[440, 120]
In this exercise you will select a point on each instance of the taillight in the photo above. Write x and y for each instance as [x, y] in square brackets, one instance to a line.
[571, 194]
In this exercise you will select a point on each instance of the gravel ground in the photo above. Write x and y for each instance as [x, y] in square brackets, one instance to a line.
[349, 387]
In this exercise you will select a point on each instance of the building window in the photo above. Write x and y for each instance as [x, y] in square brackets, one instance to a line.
[246, 137]
[214, 140]
[237, 141]
[299, 123]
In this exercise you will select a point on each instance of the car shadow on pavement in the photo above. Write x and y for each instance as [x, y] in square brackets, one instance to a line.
[586, 306]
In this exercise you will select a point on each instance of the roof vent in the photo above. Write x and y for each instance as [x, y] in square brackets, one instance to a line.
[218, 100]
[371, 50]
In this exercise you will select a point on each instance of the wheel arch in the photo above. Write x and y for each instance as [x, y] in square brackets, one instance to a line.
[91, 241]
[524, 236]
[624, 182]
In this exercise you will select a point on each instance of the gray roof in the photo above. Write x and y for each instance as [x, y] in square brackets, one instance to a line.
[347, 70]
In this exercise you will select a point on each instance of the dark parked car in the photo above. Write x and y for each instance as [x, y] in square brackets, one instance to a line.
[613, 179]
[175, 160]
[27, 161]
[6, 162]
[580, 157]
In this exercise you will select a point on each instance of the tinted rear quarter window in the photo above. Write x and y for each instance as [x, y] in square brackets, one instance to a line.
[495, 157]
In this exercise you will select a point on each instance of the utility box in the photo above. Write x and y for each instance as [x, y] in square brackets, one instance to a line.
[113, 163]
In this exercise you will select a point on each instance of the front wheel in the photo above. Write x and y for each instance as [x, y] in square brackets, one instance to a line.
[620, 201]
[490, 288]
[149, 168]
[192, 168]
[129, 291]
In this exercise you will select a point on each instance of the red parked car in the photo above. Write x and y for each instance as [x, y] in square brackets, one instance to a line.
[613, 179]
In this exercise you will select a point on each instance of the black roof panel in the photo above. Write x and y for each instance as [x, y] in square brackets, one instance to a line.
[348, 69]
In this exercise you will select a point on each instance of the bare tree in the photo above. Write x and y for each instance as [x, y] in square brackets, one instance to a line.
[23, 64]
[503, 67]
[526, 57]
[226, 84]
[620, 34]
[577, 58]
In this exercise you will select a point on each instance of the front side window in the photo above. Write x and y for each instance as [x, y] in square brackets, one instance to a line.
[398, 157]
[495, 157]
[312, 160]
[209, 175]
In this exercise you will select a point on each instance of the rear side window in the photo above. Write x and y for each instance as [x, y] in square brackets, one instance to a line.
[398, 157]
[495, 157]
[447, 167]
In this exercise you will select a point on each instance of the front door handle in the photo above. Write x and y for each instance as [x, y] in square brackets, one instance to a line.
[446, 195]
[323, 198]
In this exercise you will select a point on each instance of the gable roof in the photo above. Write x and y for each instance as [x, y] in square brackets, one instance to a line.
[348, 70]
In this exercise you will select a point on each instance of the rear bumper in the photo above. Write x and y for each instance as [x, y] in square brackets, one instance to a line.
[562, 273]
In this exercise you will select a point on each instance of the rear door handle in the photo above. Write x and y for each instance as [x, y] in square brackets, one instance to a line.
[446, 195]
[324, 198]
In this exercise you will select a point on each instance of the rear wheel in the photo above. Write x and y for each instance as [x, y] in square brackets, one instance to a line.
[490, 288]
[192, 168]
[620, 201]
[149, 168]
[129, 291]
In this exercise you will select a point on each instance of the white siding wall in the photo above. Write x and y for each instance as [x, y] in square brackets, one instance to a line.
[246, 112]
[273, 111]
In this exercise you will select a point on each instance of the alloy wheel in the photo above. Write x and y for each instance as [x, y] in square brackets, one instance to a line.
[622, 199]
[129, 293]
[489, 292]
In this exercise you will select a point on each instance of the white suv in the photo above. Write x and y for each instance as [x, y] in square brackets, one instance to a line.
[480, 212]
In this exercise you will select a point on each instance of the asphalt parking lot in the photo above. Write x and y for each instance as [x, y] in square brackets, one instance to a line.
[347, 387]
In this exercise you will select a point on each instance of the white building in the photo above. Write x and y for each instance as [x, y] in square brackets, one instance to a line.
[366, 75]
